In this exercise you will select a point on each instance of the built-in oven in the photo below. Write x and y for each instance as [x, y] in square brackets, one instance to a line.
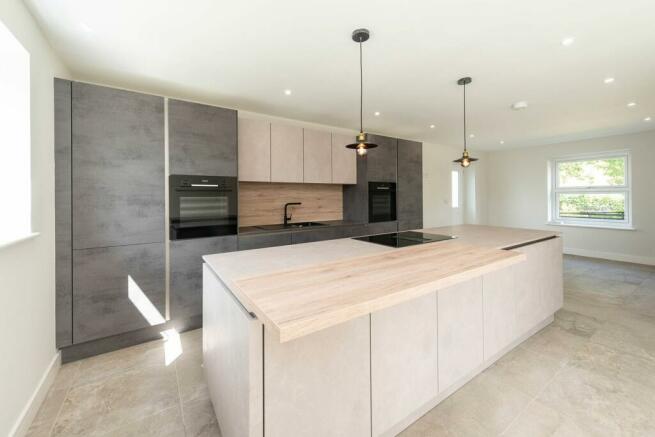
[202, 206]
[381, 202]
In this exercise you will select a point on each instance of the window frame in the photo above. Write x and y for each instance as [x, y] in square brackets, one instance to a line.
[554, 191]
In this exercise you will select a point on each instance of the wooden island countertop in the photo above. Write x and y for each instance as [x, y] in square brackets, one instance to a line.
[301, 289]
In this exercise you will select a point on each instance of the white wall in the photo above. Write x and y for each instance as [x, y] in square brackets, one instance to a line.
[27, 279]
[437, 167]
[516, 195]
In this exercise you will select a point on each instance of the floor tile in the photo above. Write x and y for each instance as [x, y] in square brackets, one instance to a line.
[200, 420]
[555, 342]
[633, 333]
[166, 423]
[47, 414]
[539, 420]
[191, 379]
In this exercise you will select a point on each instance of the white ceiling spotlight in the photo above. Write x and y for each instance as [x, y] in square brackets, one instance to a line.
[569, 40]
[472, 136]
[502, 141]
[608, 80]
[376, 113]
[647, 119]
[432, 126]
[631, 104]
[287, 92]
[517, 106]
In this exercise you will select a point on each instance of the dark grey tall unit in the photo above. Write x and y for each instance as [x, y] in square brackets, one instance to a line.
[355, 197]
[409, 200]
[382, 161]
[110, 257]
[202, 141]
[63, 215]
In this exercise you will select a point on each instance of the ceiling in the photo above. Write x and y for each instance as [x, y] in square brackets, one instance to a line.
[244, 54]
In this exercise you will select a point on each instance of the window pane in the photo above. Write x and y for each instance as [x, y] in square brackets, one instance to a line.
[592, 173]
[601, 206]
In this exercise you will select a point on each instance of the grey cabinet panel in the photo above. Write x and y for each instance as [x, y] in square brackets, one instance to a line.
[260, 241]
[355, 197]
[382, 160]
[118, 167]
[382, 227]
[63, 229]
[115, 290]
[202, 139]
[186, 271]
[409, 198]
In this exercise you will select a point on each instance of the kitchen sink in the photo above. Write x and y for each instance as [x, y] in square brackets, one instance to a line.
[298, 225]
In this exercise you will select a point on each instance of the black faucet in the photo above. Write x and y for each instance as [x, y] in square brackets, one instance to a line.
[286, 216]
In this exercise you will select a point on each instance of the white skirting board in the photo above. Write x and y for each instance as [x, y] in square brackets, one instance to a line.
[28, 414]
[612, 256]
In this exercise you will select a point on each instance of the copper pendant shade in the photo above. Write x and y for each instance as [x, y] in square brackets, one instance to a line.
[466, 159]
[361, 143]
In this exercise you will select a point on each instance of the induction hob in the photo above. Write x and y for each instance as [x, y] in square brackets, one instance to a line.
[404, 239]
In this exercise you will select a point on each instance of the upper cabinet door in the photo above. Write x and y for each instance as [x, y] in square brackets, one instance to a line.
[202, 139]
[118, 167]
[344, 161]
[382, 166]
[254, 150]
[286, 153]
[410, 185]
[317, 157]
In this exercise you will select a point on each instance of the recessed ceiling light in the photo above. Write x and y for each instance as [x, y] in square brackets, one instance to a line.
[609, 80]
[632, 104]
[472, 136]
[647, 119]
[376, 113]
[568, 41]
[432, 126]
[519, 105]
[287, 92]
[502, 142]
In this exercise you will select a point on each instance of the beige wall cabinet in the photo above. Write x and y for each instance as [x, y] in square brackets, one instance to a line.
[286, 153]
[344, 161]
[254, 150]
[317, 157]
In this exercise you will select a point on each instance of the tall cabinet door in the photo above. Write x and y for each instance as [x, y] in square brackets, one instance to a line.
[382, 161]
[409, 198]
[344, 161]
[254, 150]
[117, 289]
[202, 139]
[317, 157]
[118, 167]
[286, 153]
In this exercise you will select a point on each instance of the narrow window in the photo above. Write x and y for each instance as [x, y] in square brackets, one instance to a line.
[454, 184]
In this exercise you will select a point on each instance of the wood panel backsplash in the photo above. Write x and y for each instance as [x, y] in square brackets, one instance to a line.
[263, 203]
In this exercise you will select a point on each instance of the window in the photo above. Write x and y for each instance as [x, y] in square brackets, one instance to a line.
[591, 190]
[15, 190]
[454, 184]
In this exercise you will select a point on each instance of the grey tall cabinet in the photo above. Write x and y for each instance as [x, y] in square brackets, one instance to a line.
[409, 201]
[112, 143]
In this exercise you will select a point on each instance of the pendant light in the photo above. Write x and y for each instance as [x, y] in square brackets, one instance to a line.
[465, 160]
[361, 141]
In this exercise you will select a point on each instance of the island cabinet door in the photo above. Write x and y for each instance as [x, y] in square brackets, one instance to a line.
[500, 316]
[403, 363]
[460, 333]
[186, 272]
[319, 385]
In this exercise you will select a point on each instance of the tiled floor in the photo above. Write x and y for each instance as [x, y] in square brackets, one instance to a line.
[590, 373]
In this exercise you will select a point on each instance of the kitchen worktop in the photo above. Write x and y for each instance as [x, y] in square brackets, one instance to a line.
[301, 289]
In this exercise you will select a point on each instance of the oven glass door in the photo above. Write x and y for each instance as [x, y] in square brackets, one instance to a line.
[382, 202]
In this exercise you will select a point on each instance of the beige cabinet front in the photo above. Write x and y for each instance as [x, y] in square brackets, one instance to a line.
[344, 161]
[286, 153]
[317, 159]
[460, 332]
[254, 150]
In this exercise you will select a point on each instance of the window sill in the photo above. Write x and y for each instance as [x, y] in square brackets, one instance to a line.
[586, 225]
[15, 241]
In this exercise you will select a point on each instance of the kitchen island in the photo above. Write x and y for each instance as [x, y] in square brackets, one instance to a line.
[349, 338]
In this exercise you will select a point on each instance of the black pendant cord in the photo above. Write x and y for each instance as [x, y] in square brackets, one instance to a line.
[361, 89]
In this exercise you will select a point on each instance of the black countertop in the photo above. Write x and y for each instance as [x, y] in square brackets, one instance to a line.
[253, 230]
